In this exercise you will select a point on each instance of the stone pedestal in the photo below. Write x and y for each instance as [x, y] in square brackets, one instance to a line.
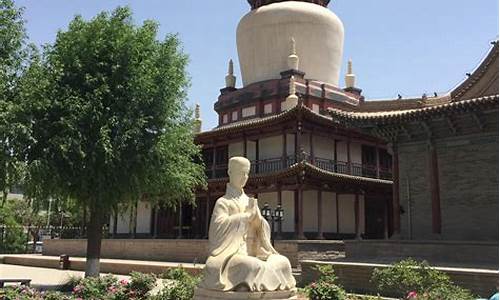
[204, 294]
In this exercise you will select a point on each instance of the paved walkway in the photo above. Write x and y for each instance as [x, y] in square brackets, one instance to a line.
[43, 278]
[113, 266]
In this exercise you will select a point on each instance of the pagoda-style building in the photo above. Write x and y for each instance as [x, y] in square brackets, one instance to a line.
[332, 182]
[340, 167]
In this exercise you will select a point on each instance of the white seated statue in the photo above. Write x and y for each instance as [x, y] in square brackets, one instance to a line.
[241, 258]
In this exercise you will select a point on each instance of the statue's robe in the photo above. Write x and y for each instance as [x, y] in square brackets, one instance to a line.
[241, 254]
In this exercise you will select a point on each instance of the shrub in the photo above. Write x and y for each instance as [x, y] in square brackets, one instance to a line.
[181, 287]
[26, 293]
[102, 288]
[326, 287]
[141, 284]
[110, 288]
[410, 276]
[96, 287]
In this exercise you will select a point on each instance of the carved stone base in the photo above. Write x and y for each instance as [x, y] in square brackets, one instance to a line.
[204, 294]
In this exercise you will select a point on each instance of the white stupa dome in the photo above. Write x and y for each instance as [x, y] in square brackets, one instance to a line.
[264, 34]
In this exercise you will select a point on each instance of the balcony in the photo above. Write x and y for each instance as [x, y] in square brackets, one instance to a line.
[271, 165]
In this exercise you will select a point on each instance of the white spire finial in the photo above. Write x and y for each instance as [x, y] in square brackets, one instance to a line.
[197, 111]
[197, 119]
[293, 49]
[230, 70]
[350, 78]
[292, 88]
[293, 59]
[292, 100]
[230, 78]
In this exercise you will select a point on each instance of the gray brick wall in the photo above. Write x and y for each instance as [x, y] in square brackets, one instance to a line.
[468, 173]
[414, 191]
[468, 179]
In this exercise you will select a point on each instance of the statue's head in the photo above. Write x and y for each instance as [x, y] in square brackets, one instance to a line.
[238, 170]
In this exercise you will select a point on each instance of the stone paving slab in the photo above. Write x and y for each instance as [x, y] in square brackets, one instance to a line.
[114, 266]
[43, 278]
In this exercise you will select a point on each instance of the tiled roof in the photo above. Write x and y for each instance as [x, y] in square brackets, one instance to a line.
[482, 78]
[301, 167]
[266, 121]
[383, 117]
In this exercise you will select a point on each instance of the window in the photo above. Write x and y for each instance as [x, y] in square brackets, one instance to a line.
[268, 108]
[234, 116]
[248, 111]
[224, 119]
[315, 108]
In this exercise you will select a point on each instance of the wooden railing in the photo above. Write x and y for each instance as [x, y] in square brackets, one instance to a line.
[271, 165]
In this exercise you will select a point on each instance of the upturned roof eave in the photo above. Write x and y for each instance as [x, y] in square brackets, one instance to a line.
[393, 117]
[298, 169]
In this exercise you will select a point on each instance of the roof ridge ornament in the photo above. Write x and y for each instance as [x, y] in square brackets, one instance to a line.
[230, 78]
[293, 59]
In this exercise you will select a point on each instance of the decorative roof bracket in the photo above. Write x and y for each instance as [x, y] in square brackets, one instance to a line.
[478, 119]
[451, 124]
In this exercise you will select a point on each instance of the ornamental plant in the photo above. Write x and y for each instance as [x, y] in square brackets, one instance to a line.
[140, 283]
[326, 287]
[414, 280]
[181, 286]
[27, 293]
[110, 288]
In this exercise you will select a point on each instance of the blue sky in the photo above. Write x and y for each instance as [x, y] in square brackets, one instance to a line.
[397, 46]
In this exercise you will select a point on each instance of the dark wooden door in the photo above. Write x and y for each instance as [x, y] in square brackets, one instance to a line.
[375, 218]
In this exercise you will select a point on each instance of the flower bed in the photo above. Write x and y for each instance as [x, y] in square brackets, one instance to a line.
[180, 286]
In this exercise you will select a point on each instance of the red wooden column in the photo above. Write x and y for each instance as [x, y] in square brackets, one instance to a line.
[311, 146]
[298, 138]
[356, 216]
[280, 203]
[335, 155]
[134, 220]
[386, 221]
[115, 224]
[349, 167]
[434, 184]
[245, 146]
[283, 153]
[179, 234]
[156, 214]
[213, 160]
[396, 221]
[320, 215]
[337, 212]
[257, 156]
[377, 157]
[300, 213]
[207, 215]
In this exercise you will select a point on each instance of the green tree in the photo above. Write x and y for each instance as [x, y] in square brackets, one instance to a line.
[12, 63]
[109, 121]
[12, 236]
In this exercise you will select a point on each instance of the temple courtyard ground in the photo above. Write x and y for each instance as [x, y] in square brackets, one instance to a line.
[354, 275]
[43, 278]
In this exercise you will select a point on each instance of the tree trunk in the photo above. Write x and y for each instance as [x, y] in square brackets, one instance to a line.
[4, 198]
[94, 237]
